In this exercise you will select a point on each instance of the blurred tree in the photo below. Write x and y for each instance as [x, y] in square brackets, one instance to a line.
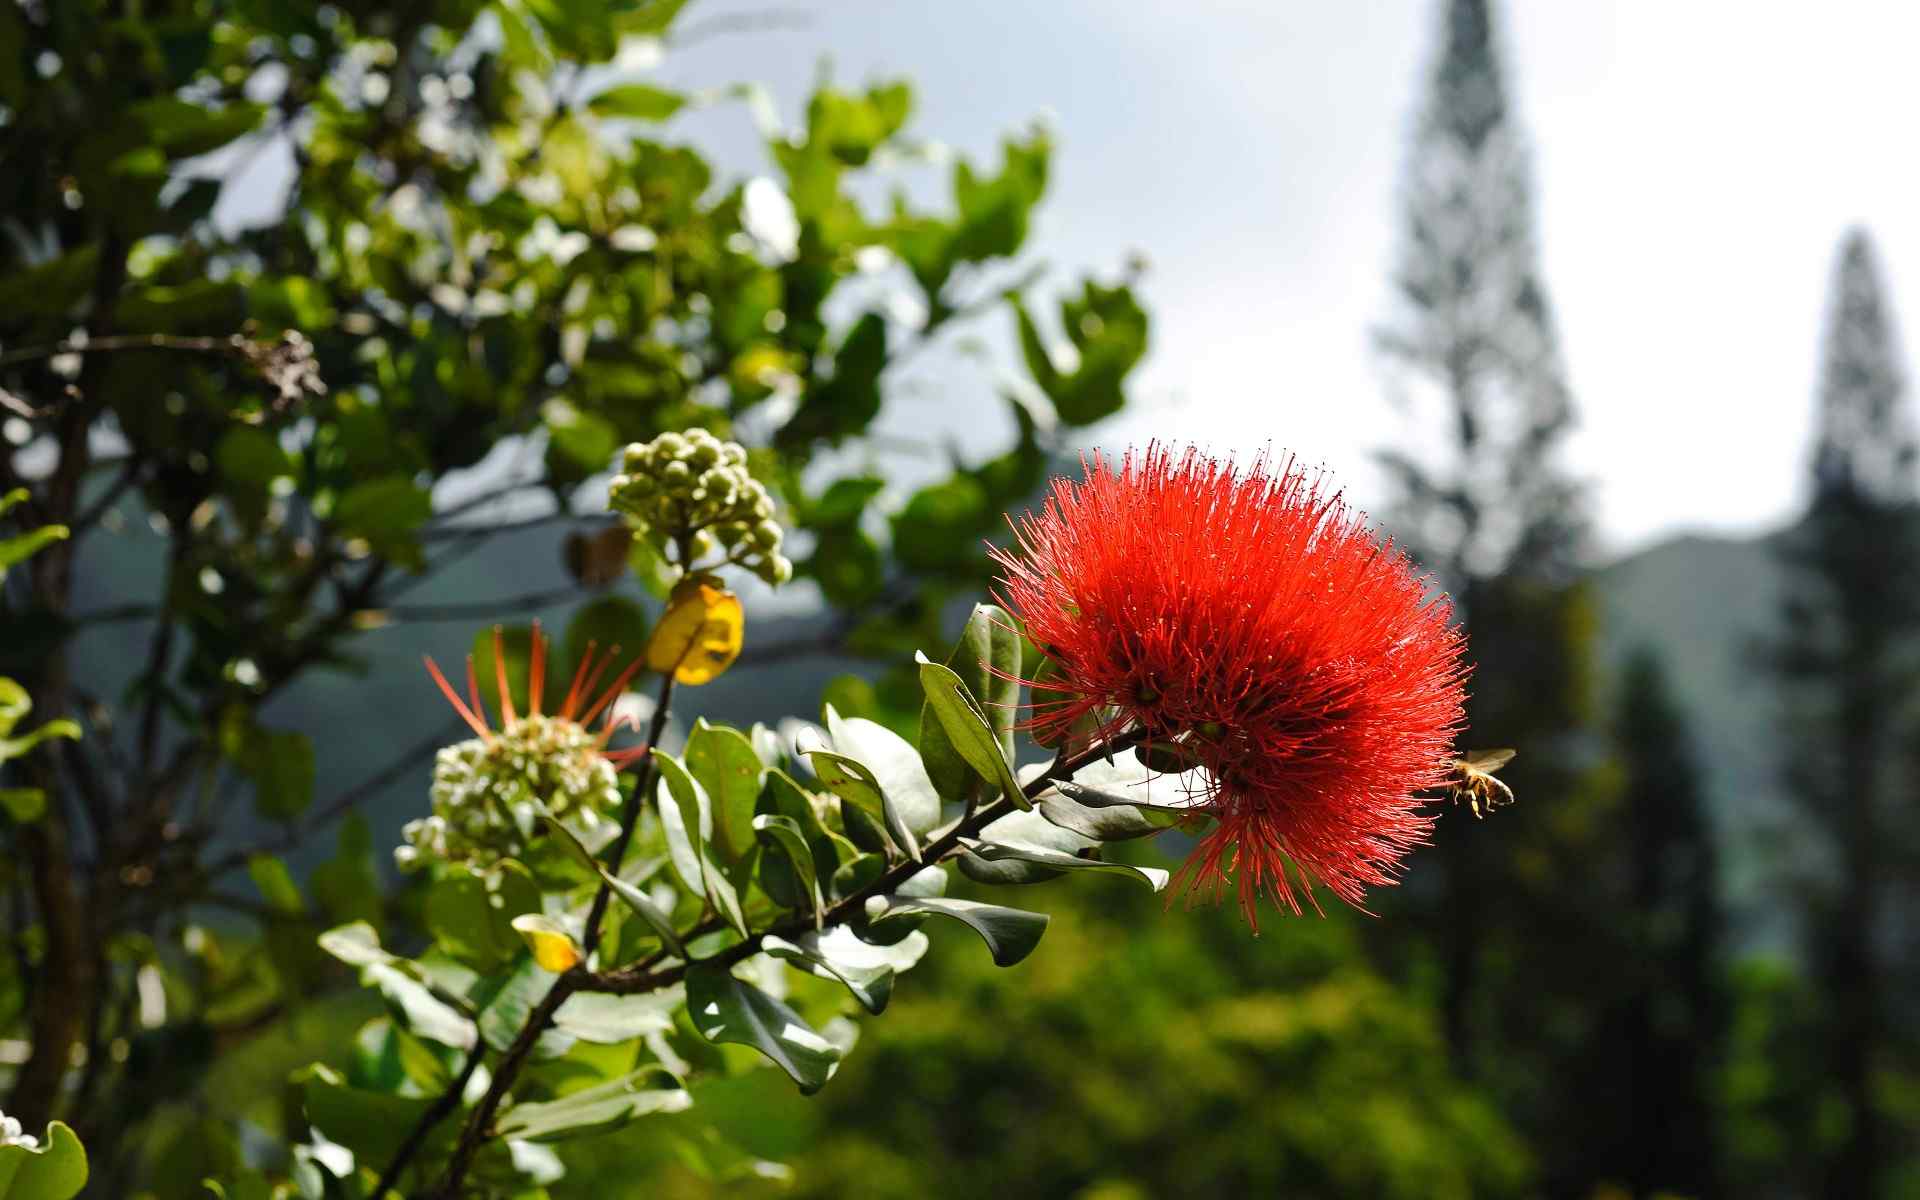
[1471, 345]
[1846, 661]
[1301, 1072]
[1482, 499]
[1655, 1067]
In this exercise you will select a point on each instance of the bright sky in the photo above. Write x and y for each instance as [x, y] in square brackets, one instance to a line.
[1696, 164]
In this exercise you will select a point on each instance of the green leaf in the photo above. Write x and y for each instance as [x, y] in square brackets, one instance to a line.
[23, 805]
[724, 762]
[607, 623]
[599, 1109]
[849, 401]
[854, 874]
[415, 1006]
[1010, 933]
[637, 101]
[471, 917]
[987, 660]
[401, 983]
[1108, 329]
[608, 1020]
[1023, 829]
[280, 763]
[658, 918]
[857, 787]
[250, 457]
[866, 969]
[16, 550]
[51, 288]
[357, 945]
[276, 885]
[942, 527]
[15, 704]
[972, 737]
[1112, 821]
[690, 800]
[512, 997]
[371, 1124]
[724, 1009]
[686, 824]
[1153, 877]
[184, 129]
[910, 806]
[786, 834]
[54, 1170]
[388, 514]
[586, 440]
[11, 748]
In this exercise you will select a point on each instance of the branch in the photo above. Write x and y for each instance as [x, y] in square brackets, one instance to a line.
[127, 341]
[527, 602]
[479, 1123]
[444, 1105]
[641, 978]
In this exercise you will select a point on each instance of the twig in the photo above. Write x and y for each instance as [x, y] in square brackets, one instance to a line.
[442, 1106]
[529, 602]
[127, 341]
[636, 800]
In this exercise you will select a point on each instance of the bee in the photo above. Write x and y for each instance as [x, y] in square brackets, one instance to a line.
[1473, 780]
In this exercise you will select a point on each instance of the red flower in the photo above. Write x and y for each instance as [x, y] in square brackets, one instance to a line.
[1252, 616]
[577, 710]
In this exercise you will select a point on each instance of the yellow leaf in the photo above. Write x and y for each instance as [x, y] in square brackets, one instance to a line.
[553, 947]
[700, 634]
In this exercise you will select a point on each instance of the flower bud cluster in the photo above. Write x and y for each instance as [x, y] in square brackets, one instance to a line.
[694, 490]
[487, 794]
[12, 1135]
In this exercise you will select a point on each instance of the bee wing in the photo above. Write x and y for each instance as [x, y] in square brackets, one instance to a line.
[1487, 760]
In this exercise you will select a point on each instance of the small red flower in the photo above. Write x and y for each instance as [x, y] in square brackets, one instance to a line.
[1251, 616]
[578, 709]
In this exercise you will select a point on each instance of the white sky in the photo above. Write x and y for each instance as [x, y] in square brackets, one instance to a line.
[1696, 164]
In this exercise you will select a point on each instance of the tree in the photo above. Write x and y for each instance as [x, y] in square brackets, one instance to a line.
[1481, 497]
[1844, 658]
[1472, 346]
[489, 237]
[1667, 1030]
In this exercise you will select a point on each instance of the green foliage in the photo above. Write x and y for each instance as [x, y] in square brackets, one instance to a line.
[1299, 1072]
[53, 1167]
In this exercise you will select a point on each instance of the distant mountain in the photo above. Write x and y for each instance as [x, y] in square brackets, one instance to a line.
[1703, 604]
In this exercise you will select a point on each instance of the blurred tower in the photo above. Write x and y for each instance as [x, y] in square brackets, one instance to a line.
[1845, 660]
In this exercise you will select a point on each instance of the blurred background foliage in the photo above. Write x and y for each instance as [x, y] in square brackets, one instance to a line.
[295, 452]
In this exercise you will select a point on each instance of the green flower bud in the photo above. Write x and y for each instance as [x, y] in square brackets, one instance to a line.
[676, 475]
